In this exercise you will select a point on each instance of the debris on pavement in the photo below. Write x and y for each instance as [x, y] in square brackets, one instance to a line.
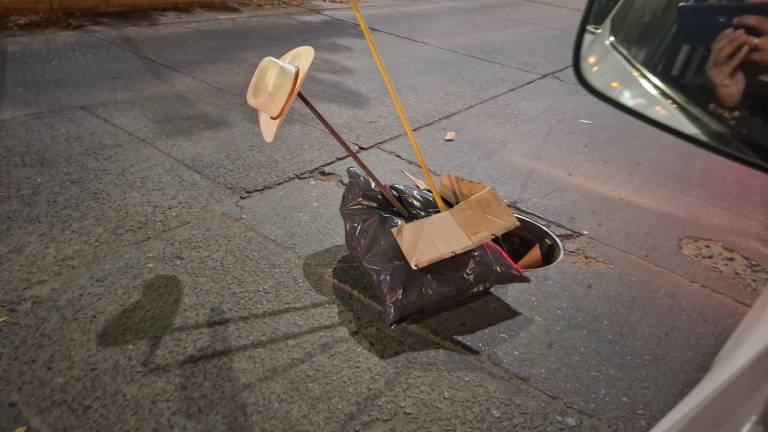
[450, 136]
[586, 121]
[3, 318]
[729, 262]
[418, 182]
[322, 175]
[39, 21]
[579, 257]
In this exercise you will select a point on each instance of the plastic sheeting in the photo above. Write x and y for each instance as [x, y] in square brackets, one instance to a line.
[403, 292]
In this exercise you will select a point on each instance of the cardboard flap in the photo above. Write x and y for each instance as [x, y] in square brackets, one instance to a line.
[484, 216]
[424, 241]
[457, 190]
[477, 219]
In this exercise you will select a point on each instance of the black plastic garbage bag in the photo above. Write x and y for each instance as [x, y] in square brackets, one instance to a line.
[403, 292]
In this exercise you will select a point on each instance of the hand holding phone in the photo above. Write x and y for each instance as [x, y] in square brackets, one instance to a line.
[724, 67]
[756, 24]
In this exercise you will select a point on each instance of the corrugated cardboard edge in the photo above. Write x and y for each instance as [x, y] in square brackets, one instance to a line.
[456, 189]
[480, 215]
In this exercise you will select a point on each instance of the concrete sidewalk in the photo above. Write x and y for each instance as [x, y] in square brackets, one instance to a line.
[163, 268]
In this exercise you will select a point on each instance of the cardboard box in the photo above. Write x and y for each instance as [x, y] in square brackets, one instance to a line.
[479, 214]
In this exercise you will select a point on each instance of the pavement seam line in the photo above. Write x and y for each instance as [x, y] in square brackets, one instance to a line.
[303, 175]
[677, 275]
[163, 152]
[554, 5]
[353, 24]
[160, 63]
[36, 113]
[465, 109]
[157, 62]
[487, 357]
[565, 82]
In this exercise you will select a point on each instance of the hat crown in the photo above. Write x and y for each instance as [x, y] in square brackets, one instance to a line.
[275, 86]
[272, 85]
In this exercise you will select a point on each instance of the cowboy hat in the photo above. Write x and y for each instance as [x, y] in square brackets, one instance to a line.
[274, 87]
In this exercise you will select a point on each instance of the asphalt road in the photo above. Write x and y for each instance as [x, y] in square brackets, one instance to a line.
[162, 268]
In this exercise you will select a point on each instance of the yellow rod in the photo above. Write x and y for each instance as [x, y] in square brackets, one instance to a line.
[396, 102]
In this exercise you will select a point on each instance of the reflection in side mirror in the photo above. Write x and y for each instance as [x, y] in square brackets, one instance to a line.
[698, 70]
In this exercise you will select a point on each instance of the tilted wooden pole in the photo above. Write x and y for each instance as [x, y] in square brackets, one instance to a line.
[396, 102]
[382, 187]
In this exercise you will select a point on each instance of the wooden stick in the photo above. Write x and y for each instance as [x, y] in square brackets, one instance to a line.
[396, 101]
[382, 187]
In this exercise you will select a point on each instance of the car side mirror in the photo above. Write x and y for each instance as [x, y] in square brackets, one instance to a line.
[696, 70]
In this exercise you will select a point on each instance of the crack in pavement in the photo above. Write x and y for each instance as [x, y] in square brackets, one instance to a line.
[159, 150]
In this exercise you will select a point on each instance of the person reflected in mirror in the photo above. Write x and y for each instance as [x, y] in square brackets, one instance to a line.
[758, 54]
[736, 70]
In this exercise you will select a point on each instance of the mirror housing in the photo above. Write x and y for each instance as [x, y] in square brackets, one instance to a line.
[679, 67]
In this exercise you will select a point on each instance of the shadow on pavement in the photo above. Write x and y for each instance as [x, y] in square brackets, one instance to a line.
[149, 318]
[336, 275]
[212, 392]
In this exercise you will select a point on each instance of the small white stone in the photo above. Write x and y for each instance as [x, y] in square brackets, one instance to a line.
[450, 136]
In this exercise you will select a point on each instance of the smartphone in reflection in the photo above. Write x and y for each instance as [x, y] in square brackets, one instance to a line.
[701, 23]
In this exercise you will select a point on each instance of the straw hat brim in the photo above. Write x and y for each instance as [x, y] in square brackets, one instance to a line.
[301, 57]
